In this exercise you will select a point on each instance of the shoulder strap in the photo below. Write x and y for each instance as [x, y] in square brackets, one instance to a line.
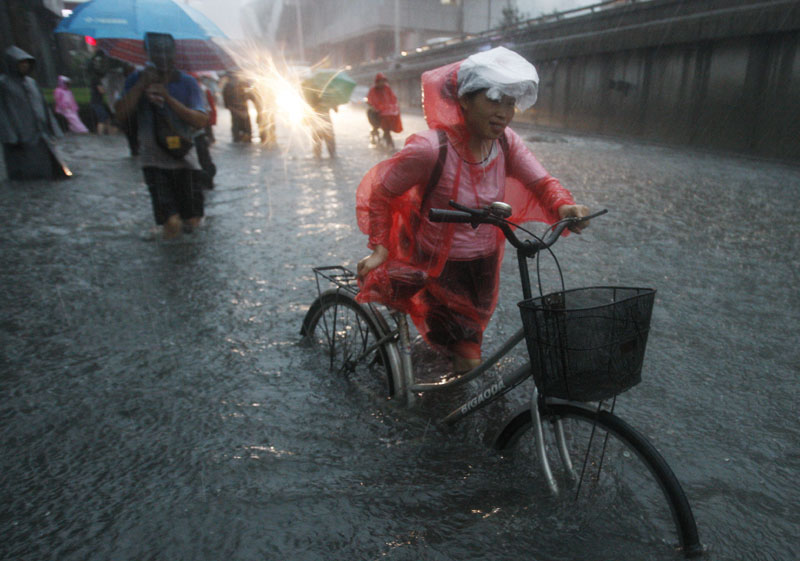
[436, 174]
[504, 145]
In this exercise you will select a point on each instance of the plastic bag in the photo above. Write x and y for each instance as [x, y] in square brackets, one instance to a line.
[501, 72]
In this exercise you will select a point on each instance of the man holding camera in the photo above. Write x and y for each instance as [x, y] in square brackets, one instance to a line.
[171, 173]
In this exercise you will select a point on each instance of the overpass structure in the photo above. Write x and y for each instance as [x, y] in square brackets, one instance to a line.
[712, 74]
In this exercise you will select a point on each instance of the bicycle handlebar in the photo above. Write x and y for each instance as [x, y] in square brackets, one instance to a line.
[488, 215]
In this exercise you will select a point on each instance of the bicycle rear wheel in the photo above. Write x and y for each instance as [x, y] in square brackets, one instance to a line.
[618, 484]
[352, 341]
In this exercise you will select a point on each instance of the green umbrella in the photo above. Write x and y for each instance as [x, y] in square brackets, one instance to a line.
[333, 86]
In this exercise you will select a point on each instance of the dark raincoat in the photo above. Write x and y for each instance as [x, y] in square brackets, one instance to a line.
[27, 126]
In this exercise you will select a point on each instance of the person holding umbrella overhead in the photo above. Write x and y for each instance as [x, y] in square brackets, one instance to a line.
[326, 90]
[321, 125]
[162, 97]
[118, 26]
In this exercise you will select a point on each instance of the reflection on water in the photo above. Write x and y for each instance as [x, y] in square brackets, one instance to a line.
[156, 405]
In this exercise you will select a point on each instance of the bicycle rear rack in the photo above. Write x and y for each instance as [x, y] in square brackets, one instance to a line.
[337, 275]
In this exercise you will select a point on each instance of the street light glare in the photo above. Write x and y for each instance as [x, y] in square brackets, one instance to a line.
[279, 86]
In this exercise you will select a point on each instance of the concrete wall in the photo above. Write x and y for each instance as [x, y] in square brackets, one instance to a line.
[736, 94]
[718, 74]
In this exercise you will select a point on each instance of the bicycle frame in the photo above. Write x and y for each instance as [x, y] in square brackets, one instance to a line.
[398, 342]
[493, 391]
[400, 337]
[397, 345]
[487, 394]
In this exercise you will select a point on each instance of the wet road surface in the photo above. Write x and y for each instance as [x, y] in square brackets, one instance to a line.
[155, 403]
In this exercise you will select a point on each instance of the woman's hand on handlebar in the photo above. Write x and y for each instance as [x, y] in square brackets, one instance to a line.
[574, 211]
[373, 261]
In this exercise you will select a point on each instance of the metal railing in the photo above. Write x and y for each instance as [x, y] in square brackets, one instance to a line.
[509, 29]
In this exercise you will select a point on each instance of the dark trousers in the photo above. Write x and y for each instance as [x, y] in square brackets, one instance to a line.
[174, 191]
[241, 128]
[457, 315]
[204, 155]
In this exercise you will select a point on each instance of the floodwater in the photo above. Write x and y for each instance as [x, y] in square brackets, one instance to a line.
[155, 402]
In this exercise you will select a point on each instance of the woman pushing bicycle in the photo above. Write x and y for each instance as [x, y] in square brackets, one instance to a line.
[443, 275]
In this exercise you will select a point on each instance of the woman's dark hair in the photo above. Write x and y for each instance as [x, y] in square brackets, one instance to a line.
[473, 93]
[449, 90]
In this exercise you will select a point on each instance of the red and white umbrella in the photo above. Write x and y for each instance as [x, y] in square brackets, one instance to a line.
[191, 55]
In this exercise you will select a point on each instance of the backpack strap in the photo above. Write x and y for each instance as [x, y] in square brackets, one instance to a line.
[436, 174]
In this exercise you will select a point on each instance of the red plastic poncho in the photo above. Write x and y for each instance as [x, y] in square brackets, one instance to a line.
[212, 108]
[66, 106]
[384, 101]
[431, 266]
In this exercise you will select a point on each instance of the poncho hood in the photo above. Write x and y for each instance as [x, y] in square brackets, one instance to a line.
[13, 56]
[440, 100]
[498, 70]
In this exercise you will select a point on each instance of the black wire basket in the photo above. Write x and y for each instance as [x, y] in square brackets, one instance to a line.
[587, 344]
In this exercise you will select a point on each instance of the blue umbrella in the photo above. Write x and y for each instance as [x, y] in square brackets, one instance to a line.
[119, 27]
[131, 19]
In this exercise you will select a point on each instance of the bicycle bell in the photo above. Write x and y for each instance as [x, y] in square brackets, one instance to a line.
[503, 210]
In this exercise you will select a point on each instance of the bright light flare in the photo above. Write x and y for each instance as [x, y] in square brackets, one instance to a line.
[278, 87]
[295, 108]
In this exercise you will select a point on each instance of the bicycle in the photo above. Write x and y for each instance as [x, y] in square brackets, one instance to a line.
[381, 141]
[588, 451]
[379, 137]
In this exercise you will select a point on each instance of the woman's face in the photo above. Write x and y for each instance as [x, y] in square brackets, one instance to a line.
[487, 118]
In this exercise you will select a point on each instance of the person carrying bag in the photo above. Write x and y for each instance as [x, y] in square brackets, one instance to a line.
[169, 108]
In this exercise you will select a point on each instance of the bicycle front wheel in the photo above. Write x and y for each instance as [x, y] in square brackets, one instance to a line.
[352, 341]
[612, 481]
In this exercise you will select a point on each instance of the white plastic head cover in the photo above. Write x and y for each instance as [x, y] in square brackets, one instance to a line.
[500, 72]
